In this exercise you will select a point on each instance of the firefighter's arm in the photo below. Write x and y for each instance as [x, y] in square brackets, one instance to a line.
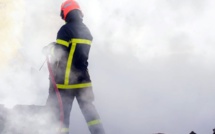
[49, 49]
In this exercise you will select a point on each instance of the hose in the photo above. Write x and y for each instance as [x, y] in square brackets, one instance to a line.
[56, 91]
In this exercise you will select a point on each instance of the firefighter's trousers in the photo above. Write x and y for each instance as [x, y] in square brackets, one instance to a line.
[85, 98]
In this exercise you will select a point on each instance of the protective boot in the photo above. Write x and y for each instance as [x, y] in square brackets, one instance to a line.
[64, 131]
[96, 129]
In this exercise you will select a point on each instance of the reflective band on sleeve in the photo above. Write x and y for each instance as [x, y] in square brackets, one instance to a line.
[82, 41]
[64, 130]
[93, 122]
[52, 51]
[63, 42]
[74, 86]
[69, 64]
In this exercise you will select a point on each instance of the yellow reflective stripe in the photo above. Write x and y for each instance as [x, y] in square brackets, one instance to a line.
[82, 41]
[62, 42]
[75, 40]
[64, 130]
[52, 51]
[93, 122]
[69, 64]
[74, 86]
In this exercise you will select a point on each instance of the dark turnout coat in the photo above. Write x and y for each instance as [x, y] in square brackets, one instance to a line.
[71, 54]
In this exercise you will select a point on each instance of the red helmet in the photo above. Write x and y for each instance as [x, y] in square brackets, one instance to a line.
[68, 6]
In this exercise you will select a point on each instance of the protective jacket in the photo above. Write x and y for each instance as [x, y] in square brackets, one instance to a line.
[71, 54]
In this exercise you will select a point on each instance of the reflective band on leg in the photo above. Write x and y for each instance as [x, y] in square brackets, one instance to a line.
[93, 122]
[64, 130]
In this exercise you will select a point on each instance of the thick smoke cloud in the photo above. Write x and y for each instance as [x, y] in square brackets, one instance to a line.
[151, 62]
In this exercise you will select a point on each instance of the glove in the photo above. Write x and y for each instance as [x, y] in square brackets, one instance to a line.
[47, 50]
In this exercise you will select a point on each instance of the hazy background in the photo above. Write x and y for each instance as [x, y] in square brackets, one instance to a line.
[152, 62]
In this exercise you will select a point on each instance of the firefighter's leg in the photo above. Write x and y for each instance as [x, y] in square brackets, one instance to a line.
[85, 98]
[52, 110]
[67, 100]
[53, 107]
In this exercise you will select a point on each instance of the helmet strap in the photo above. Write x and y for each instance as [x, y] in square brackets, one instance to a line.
[62, 14]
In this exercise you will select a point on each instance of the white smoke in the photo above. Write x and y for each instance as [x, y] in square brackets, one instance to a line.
[156, 70]
[151, 62]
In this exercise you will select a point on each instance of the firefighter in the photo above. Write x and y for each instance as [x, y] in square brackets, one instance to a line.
[69, 60]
